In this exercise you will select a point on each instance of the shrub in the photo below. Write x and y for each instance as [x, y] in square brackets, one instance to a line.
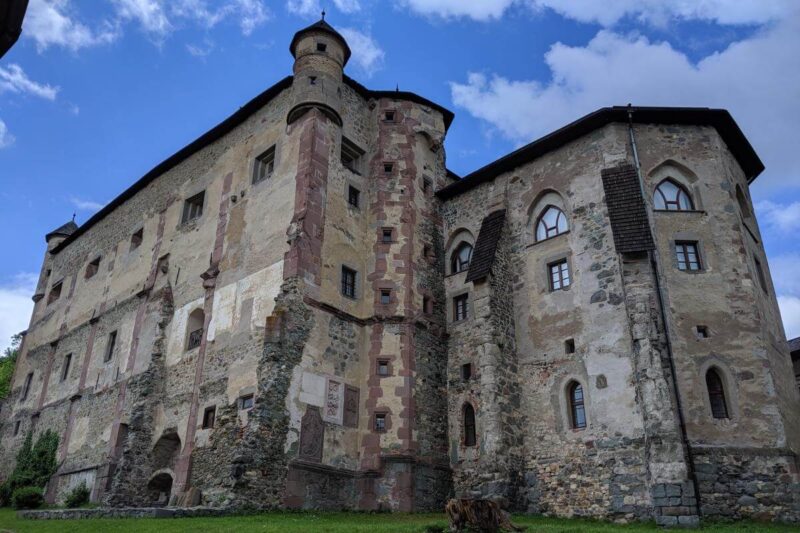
[36, 463]
[78, 496]
[27, 498]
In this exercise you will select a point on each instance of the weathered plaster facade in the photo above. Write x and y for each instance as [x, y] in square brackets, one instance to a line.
[226, 352]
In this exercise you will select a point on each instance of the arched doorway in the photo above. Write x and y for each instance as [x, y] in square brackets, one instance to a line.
[159, 488]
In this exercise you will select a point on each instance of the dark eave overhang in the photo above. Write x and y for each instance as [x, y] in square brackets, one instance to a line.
[224, 127]
[12, 12]
[719, 119]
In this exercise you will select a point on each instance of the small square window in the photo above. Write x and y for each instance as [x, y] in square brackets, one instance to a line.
[386, 296]
[687, 256]
[110, 346]
[460, 307]
[322, 47]
[352, 156]
[193, 207]
[702, 332]
[92, 268]
[348, 282]
[388, 116]
[559, 275]
[380, 422]
[388, 167]
[136, 239]
[466, 371]
[55, 292]
[246, 402]
[353, 196]
[762, 279]
[16, 427]
[65, 367]
[312, 80]
[383, 367]
[208, 417]
[386, 235]
[569, 346]
[265, 165]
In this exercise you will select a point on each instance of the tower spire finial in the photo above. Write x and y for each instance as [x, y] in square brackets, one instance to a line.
[323, 14]
[73, 216]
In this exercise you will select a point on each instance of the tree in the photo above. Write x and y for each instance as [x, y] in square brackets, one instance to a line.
[7, 361]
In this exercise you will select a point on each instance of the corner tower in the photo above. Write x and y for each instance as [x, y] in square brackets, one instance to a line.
[320, 54]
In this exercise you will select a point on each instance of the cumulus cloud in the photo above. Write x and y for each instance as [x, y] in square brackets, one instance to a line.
[15, 80]
[782, 218]
[249, 13]
[6, 139]
[15, 306]
[482, 10]
[614, 69]
[149, 14]
[52, 23]
[367, 53]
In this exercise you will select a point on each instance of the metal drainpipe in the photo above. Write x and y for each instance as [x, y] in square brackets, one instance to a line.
[653, 256]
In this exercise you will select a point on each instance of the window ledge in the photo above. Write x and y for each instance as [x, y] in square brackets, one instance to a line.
[687, 211]
[549, 239]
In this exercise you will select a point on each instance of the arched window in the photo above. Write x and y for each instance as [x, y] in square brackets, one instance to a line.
[577, 410]
[459, 262]
[716, 394]
[672, 197]
[469, 425]
[552, 222]
[194, 329]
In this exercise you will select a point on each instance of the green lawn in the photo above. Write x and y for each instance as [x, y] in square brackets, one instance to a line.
[333, 523]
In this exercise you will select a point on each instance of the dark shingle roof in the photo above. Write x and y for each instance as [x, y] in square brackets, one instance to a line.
[11, 15]
[719, 119]
[794, 346]
[64, 230]
[626, 209]
[483, 255]
[324, 27]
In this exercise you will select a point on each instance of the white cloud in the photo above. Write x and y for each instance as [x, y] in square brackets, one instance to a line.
[347, 6]
[16, 306]
[149, 14]
[313, 8]
[482, 10]
[200, 50]
[756, 79]
[50, 23]
[783, 218]
[250, 13]
[6, 139]
[790, 312]
[13, 79]
[367, 53]
[85, 205]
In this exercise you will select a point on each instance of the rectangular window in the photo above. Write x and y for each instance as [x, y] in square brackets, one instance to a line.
[386, 296]
[386, 235]
[246, 402]
[193, 207]
[569, 346]
[55, 292]
[388, 116]
[383, 367]
[348, 282]
[466, 371]
[353, 196]
[702, 332]
[27, 387]
[460, 305]
[110, 345]
[195, 338]
[388, 167]
[265, 165]
[762, 279]
[688, 258]
[16, 427]
[559, 275]
[65, 367]
[352, 156]
[380, 422]
[208, 417]
[136, 239]
[427, 305]
[321, 47]
[92, 268]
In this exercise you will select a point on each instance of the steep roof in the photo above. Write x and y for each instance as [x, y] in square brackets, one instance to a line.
[794, 347]
[65, 230]
[224, 127]
[324, 27]
[719, 119]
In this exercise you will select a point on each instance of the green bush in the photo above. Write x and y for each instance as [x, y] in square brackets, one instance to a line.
[78, 496]
[35, 465]
[27, 498]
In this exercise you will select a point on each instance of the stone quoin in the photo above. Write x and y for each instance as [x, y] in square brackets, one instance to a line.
[304, 308]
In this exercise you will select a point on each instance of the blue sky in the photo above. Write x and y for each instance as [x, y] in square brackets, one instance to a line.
[97, 92]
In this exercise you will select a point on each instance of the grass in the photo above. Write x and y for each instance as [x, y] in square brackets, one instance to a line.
[311, 522]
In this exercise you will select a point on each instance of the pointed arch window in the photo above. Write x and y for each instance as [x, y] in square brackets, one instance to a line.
[577, 410]
[469, 425]
[670, 196]
[716, 394]
[459, 262]
[552, 222]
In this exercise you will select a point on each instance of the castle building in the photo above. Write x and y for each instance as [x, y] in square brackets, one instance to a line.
[304, 308]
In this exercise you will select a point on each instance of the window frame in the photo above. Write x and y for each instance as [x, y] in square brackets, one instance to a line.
[192, 208]
[383, 416]
[578, 420]
[561, 264]
[264, 165]
[457, 264]
[55, 291]
[212, 409]
[351, 196]
[469, 425]
[547, 229]
[355, 153]
[383, 363]
[65, 367]
[26, 387]
[466, 371]
[717, 397]
[682, 249]
[681, 190]
[347, 273]
[244, 398]
[461, 307]
[111, 344]
[385, 296]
